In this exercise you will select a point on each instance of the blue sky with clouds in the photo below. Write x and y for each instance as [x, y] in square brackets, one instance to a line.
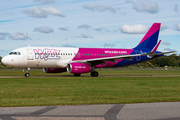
[87, 23]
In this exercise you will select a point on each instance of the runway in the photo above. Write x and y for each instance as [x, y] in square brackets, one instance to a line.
[90, 76]
[143, 111]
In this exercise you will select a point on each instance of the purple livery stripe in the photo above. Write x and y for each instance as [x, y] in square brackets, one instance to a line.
[92, 53]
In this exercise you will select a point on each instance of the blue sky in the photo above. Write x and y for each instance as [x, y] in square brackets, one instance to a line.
[87, 23]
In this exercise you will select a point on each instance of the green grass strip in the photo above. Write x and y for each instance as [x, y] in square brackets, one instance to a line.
[87, 90]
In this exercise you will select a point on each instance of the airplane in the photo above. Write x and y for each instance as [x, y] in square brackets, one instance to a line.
[83, 60]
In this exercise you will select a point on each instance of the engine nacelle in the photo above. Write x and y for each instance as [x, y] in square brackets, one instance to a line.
[54, 70]
[78, 68]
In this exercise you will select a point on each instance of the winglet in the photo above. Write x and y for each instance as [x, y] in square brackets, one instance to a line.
[155, 47]
[151, 54]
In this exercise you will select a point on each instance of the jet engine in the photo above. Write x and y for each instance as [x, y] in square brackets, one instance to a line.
[78, 68]
[54, 70]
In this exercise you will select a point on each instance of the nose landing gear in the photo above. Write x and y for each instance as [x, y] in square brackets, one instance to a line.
[27, 72]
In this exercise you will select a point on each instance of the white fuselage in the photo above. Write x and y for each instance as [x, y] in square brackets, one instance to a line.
[40, 57]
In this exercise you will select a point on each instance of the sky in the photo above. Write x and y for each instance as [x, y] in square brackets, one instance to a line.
[87, 23]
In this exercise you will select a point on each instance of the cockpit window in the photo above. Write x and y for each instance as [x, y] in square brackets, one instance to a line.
[14, 53]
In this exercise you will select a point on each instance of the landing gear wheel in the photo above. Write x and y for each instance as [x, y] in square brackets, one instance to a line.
[94, 74]
[27, 75]
[77, 75]
[27, 72]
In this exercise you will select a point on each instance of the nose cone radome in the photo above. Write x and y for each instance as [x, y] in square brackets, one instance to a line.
[4, 60]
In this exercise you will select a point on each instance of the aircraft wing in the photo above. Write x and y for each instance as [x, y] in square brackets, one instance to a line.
[97, 61]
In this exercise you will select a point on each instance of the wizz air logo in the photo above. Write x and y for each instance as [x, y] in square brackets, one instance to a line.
[46, 54]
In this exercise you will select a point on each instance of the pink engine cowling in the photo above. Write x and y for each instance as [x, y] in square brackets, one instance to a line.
[54, 70]
[78, 68]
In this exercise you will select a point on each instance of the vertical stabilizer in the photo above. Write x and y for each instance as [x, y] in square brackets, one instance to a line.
[151, 37]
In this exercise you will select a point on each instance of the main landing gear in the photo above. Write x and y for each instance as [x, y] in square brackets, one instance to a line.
[94, 74]
[27, 72]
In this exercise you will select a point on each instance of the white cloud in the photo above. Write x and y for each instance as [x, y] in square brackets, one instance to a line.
[43, 29]
[163, 27]
[100, 8]
[43, 12]
[178, 27]
[63, 29]
[176, 8]
[98, 29]
[134, 29]
[19, 36]
[166, 43]
[85, 36]
[68, 45]
[144, 6]
[169, 49]
[84, 26]
[3, 35]
[109, 45]
[45, 1]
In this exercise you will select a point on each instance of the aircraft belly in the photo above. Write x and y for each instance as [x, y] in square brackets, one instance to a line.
[41, 63]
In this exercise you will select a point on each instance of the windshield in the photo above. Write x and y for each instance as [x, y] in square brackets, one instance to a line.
[14, 53]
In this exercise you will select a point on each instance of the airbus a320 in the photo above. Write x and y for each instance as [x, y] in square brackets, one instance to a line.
[83, 60]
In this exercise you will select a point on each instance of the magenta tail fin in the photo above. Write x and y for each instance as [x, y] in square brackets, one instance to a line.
[150, 39]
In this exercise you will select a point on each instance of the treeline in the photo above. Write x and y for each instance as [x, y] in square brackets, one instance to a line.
[1, 64]
[172, 60]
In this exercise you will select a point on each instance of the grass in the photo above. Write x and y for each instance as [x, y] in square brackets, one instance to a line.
[37, 91]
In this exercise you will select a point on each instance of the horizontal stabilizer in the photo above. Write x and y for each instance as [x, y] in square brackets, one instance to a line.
[150, 54]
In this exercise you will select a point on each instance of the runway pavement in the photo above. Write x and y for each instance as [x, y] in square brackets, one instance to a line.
[90, 76]
[144, 111]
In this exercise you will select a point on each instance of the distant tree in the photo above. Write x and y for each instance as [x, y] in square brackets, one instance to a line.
[173, 62]
[1, 64]
[162, 61]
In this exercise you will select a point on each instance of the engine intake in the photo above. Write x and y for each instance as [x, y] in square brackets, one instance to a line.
[78, 68]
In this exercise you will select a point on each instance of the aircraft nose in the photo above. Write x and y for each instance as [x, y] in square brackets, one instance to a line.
[4, 61]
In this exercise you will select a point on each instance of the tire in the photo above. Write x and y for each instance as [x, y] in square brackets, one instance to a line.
[94, 74]
[27, 75]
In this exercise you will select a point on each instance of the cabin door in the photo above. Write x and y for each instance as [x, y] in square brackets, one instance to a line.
[30, 54]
